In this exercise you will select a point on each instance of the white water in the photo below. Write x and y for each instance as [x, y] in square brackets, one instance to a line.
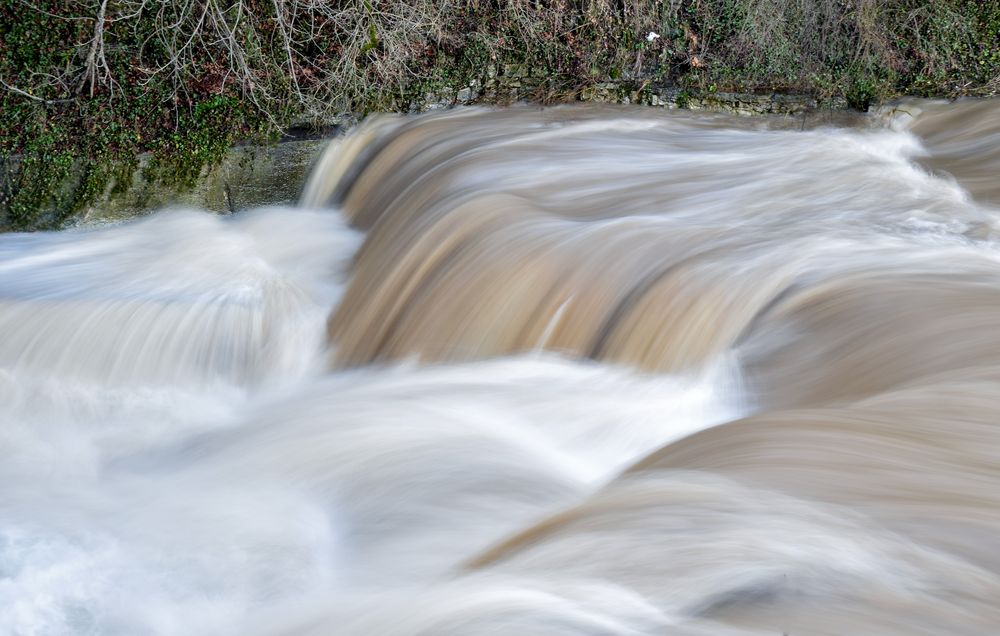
[176, 457]
[210, 475]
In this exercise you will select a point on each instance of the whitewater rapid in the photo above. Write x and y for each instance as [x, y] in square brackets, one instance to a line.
[572, 371]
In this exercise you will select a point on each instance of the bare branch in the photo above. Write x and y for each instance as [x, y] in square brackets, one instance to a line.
[18, 91]
[95, 56]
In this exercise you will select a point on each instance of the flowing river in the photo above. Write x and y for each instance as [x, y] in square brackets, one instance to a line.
[569, 371]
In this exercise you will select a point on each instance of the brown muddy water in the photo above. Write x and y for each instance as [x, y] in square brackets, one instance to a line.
[574, 370]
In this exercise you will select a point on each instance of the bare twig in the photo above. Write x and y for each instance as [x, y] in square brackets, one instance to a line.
[18, 91]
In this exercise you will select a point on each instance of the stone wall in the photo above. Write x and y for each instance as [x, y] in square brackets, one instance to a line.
[514, 82]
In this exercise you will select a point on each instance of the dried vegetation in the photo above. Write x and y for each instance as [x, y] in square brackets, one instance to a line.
[87, 84]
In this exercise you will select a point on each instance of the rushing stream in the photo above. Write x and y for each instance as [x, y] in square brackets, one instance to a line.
[569, 371]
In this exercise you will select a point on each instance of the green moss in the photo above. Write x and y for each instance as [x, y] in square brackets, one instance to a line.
[67, 132]
[71, 144]
[683, 99]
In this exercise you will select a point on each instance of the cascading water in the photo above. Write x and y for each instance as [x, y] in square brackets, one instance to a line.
[561, 371]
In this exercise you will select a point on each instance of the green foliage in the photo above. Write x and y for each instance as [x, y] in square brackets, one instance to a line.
[65, 144]
[88, 84]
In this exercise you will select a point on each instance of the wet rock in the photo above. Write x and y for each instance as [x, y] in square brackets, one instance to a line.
[247, 177]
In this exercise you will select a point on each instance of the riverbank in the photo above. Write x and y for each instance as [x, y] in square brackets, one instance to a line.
[98, 96]
[254, 175]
